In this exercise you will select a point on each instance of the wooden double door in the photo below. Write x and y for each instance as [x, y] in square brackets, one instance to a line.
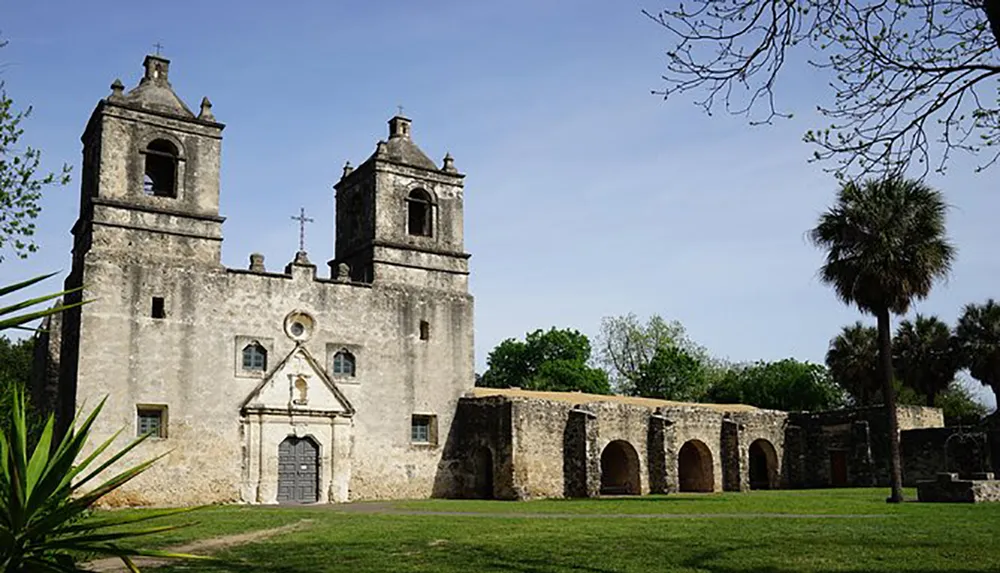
[298, 471]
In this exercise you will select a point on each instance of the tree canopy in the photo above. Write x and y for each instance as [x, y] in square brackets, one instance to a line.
[552, 360]
[911, 80]
[978, 338]
[852, 360]
[672, 374]
[925, 356]
[626, 346]
[787, 385]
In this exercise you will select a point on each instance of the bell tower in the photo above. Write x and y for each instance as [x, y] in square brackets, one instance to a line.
[150, 178]
[399, 217]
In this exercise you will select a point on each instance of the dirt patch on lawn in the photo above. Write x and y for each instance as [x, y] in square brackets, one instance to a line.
[200, 547]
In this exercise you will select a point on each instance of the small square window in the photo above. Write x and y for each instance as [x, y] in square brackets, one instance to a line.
[159, 310]
[425, 330]
[152, 420]
[423, 429]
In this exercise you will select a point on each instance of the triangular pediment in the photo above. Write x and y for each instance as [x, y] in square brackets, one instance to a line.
[298, 384]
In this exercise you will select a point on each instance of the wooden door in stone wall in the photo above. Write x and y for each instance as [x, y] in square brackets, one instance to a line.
[838, 468]
[298, 470]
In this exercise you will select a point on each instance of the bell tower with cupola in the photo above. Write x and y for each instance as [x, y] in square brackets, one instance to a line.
[399, 216]
[150, 178]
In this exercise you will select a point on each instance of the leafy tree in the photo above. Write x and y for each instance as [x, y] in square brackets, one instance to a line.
[959, 406]
[15, 372]
[886, 246]
[15, 360]
[554, 360]
[852, 360]
[903, 74]
[672, 374]
[626, 346]
[21, 183]
[978, 336]
[787, 385]
[925, 356]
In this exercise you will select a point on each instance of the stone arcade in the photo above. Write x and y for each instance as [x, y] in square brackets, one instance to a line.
[269, 387]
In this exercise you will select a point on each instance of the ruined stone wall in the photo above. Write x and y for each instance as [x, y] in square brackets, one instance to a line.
[45, 365]
[929, 451]
[855, 438]
[538, 432]
[480, 425]
[769, 426]
[692, 423]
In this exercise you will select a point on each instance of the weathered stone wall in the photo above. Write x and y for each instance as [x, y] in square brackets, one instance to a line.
[930, 451]
[768, 426]
[557, 445]
[479, 425]
[858, 437]
[45, 365]
[186, 362]
[948, 488]
[692, 423]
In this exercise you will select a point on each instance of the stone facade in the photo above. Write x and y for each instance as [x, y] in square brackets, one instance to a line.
[247, 377]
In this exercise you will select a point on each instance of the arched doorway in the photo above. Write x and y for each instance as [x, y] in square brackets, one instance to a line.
[695, 467]
[298, 470]
[483, 464]
[619, 469]
[763, 465]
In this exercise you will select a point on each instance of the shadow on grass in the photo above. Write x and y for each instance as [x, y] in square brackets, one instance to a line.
[373, 556]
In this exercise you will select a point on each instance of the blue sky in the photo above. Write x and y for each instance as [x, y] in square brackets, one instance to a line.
[586, 196]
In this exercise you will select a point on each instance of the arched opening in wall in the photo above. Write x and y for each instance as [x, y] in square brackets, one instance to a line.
[160, 170]
[619, 469]
[763, 465]
[483, 463]
[298, 470]
[419, 213]
[694, 465]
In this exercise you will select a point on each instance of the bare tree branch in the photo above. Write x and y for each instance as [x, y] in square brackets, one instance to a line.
[912, 80]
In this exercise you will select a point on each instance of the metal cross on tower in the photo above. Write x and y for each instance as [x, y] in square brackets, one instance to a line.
[302, 219]
[400, 108]
[158, 47]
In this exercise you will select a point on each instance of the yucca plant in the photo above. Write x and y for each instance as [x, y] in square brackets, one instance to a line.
[46, 494]
[18, 320]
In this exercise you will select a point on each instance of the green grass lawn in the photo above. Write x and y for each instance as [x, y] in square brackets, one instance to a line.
[720, 533]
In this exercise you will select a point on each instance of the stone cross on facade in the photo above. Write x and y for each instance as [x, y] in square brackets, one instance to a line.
[302, 219]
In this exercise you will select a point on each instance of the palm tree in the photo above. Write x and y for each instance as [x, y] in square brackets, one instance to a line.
[978, 336]
[853, 362]
[925, 356]
[886, 246]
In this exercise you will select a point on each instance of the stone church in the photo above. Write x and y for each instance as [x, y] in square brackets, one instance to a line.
[265, 385]
[299, 385]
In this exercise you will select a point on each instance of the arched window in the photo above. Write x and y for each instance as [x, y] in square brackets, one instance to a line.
[254, 357]
[343, 364]
[160, 172]
[419, 213]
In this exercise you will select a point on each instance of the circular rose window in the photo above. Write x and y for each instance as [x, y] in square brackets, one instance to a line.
[299, 325]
